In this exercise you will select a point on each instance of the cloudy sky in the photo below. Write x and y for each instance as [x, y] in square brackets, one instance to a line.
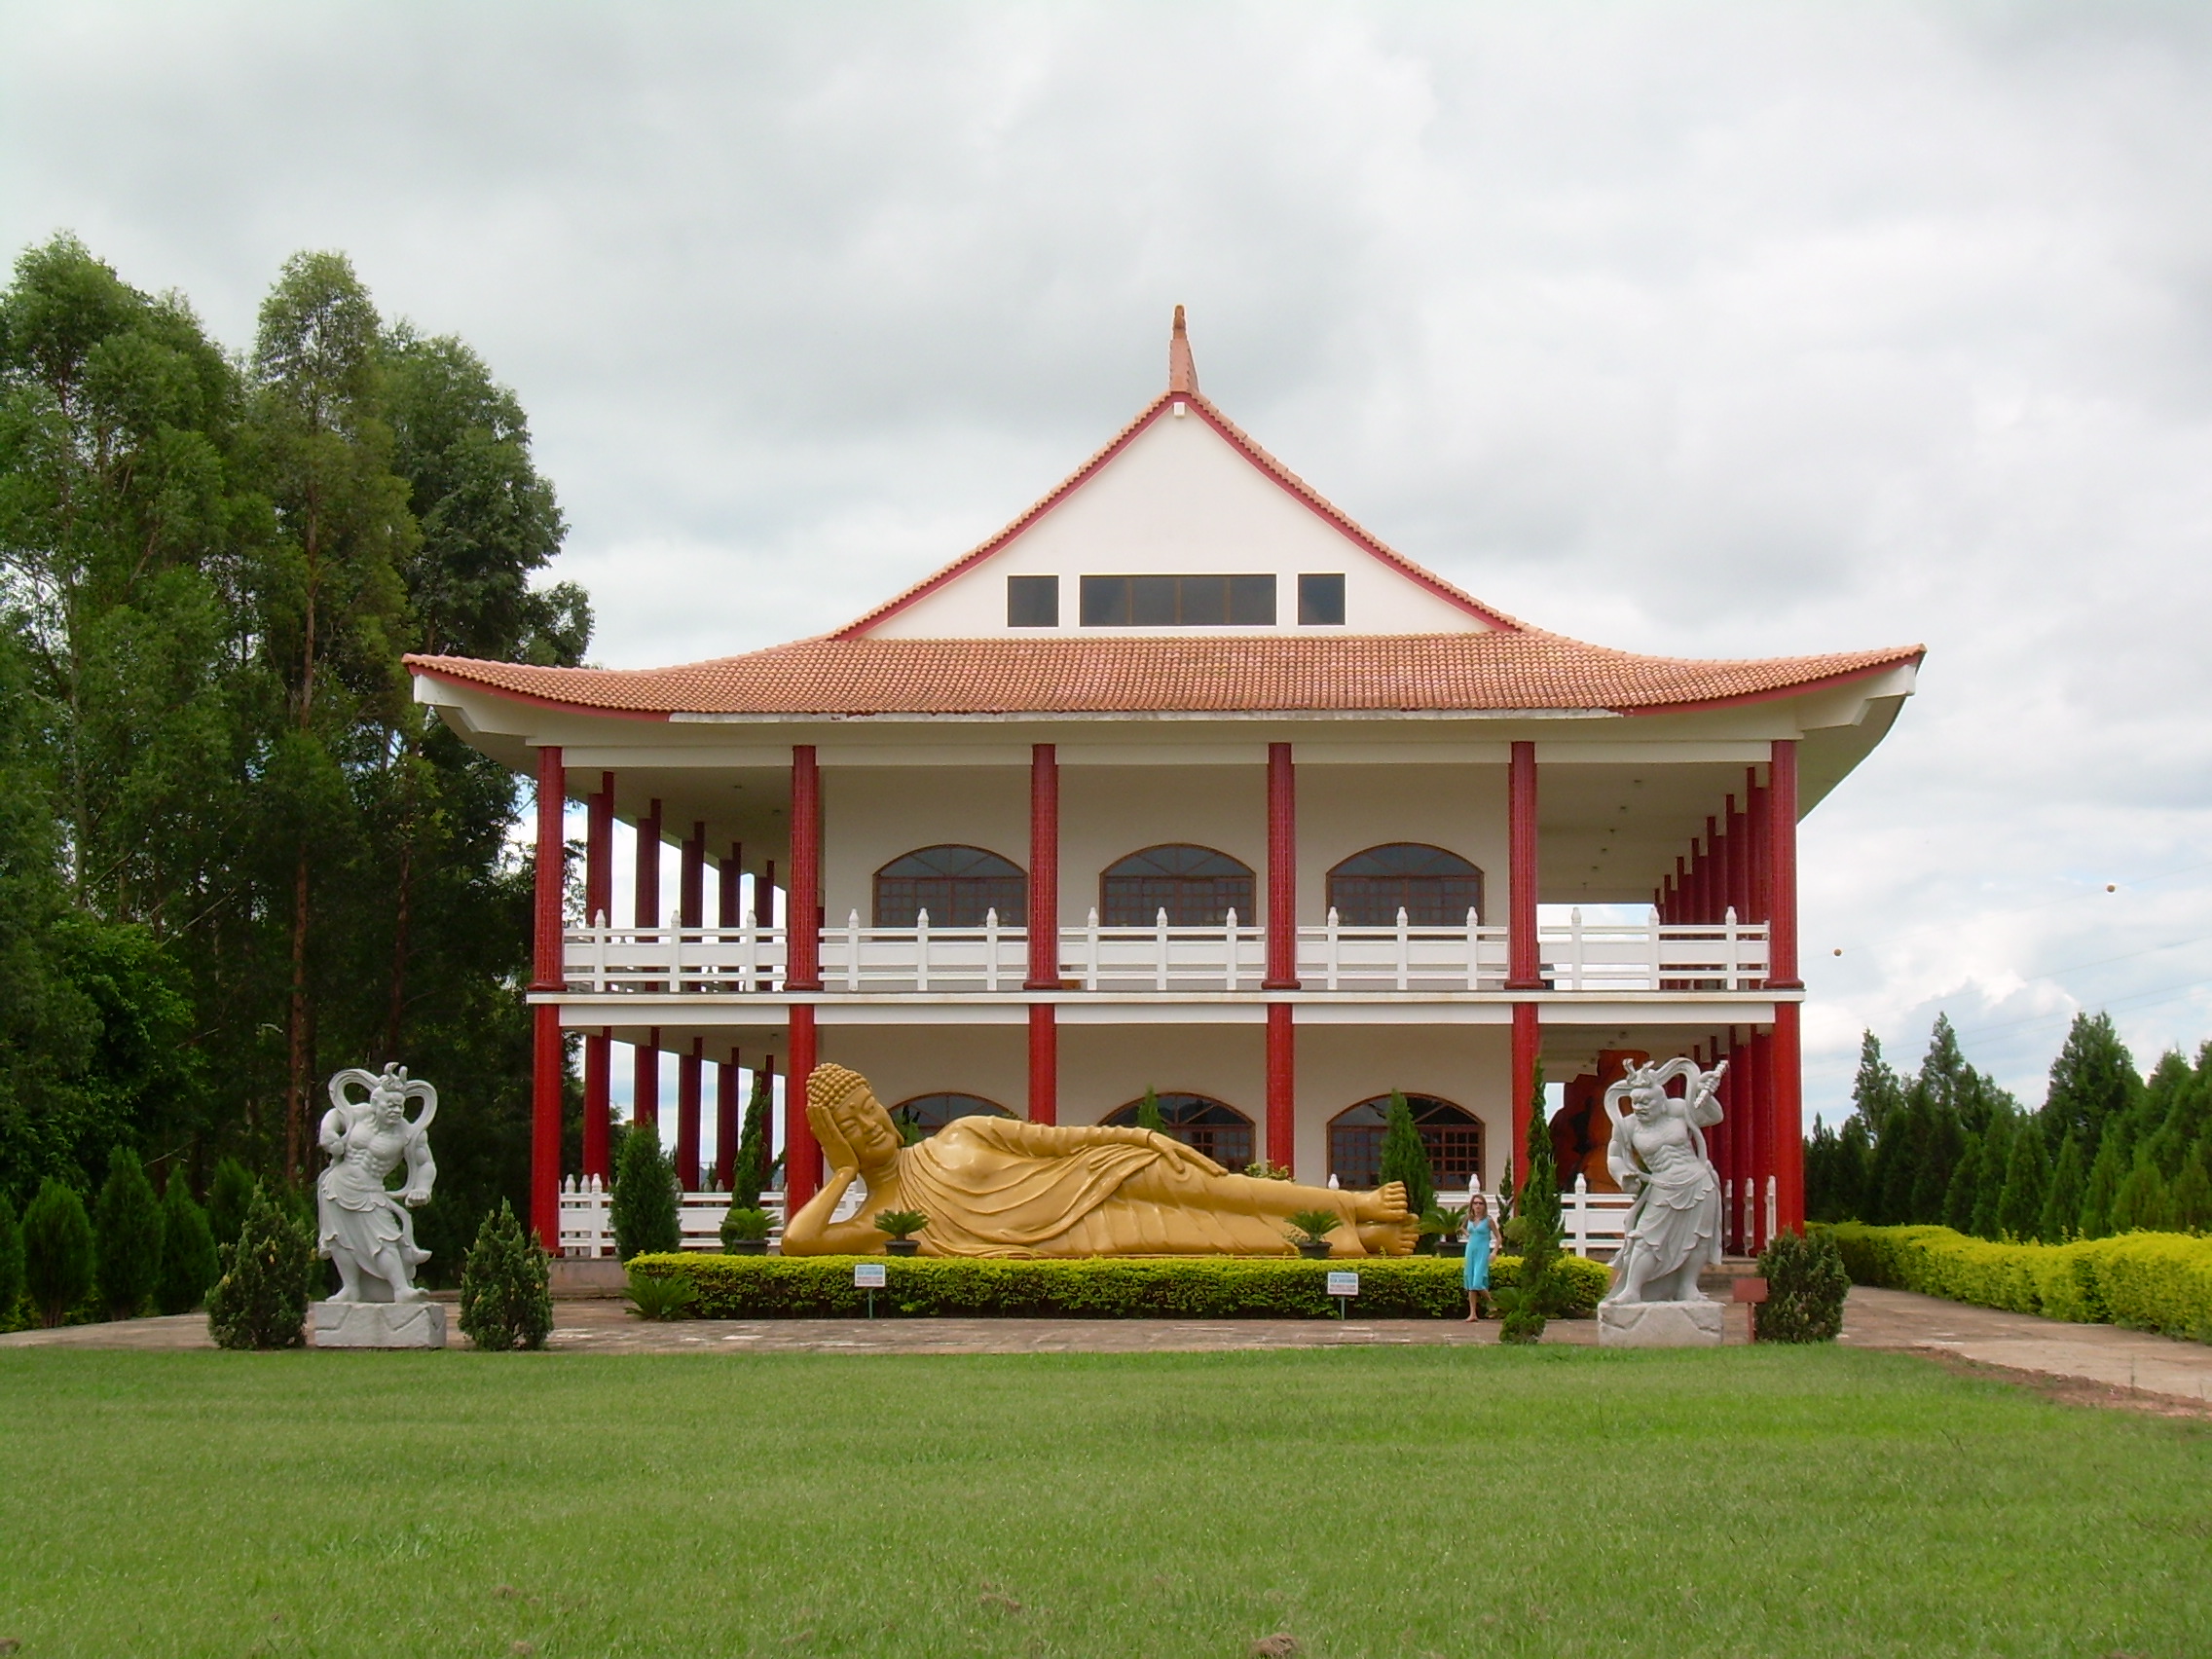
[1714, 329]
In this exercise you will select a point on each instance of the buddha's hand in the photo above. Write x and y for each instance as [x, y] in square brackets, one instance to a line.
[830, 1136]
[1183, 1157]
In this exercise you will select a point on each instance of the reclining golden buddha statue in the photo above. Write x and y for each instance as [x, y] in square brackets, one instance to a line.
[1002, 1187]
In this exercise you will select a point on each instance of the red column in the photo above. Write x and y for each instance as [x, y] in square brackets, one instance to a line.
[725, 1122]
[598, 904]
[802, 1159]
[1044, 918]
[804, 952]
[688, 1103]
[599, 1077]
[644, 907]
[691, 897]
[1043, 1064]
[1786, 1105]
[549, 1061]
[1524, 971]
[727, 899]
[1282, 874]
[1527, 1049]
[767, 1077]
[644, 1084]
[765, 908]
[1282, 1088]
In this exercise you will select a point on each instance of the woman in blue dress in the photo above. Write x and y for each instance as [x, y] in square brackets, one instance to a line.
[1481, 1241]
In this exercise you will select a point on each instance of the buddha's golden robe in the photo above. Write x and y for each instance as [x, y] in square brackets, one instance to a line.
[1000, 1187]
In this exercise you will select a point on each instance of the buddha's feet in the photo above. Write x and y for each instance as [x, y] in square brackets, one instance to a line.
[1390, 1237]
[1386, 1204]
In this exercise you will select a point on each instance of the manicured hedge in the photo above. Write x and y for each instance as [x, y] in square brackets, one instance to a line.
[1200, 1287]
[2148, 1281]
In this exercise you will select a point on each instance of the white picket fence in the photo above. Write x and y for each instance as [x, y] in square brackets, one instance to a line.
[1576, 956]
[1590, 1223]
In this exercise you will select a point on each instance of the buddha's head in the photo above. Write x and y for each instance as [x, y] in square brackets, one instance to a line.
[845, 1112]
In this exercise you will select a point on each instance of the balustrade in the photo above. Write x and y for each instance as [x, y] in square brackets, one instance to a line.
[1602, 957]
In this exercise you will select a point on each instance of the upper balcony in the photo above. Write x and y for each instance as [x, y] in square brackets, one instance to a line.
[1604, 958]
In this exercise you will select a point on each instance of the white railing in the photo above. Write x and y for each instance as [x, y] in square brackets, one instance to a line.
[587, 1227]
[1605, 957]
[1591, 1223]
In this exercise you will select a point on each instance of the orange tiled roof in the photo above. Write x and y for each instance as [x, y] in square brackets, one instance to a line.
[1523, 668]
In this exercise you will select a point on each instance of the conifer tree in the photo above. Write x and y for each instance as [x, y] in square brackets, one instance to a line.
[1876, 1092]
[2062, 1204]
[11, 1264]
[2143, 1203]
[2092, 1082]
[1959, 1198]
[1406, 1159]
[1940, 1153]
[2192, 1192]
[2027, 1174]
[1529, 1304]
[506, 1301]
[1855, 1151]
[57, 1251]
[261, 1301]
[127, 1223]
[2107, 1170]
[1148, 1112]
[188, 1250]
[643, 1210]
[1989, 1178]
[749, 1172]
[230, 1193]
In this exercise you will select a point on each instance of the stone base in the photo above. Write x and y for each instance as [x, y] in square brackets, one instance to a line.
[1660, 1324]
[377, 1325]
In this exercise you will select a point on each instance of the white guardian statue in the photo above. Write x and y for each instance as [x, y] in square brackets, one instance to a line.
[366, 1229]
[1672, 1230]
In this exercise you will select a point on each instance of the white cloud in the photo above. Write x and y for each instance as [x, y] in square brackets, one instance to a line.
[1726, 328]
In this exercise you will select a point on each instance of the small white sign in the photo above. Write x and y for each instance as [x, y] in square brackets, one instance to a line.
[869, 1275]
[1343, 1284]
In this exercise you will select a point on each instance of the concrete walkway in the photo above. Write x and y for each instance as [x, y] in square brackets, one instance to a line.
[2098, 1362]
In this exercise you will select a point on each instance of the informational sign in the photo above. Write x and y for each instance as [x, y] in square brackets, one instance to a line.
[869, 1275]
[1343, 1284]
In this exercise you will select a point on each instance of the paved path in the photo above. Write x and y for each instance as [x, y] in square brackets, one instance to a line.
[2121, 1363]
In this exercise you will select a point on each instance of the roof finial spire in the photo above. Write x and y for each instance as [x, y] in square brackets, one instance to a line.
[1182, 371]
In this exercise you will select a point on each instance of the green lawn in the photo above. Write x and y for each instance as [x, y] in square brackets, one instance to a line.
[1371, 1502]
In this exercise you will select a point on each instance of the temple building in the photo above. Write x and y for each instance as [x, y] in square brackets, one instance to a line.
[1185, 782]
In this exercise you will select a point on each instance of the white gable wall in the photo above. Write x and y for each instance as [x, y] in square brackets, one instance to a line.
[1179, 501]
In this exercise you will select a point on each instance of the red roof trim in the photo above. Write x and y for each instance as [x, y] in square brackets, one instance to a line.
[1284, 479]
[1772, 692]
[427, 668]
[969, 561]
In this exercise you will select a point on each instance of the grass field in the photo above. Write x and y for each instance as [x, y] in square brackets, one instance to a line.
[1372, 1501]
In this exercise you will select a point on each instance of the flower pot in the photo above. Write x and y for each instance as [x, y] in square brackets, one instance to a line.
[1455, 1248]
[1317, 1251]
[746, 1247]
[903, 1247]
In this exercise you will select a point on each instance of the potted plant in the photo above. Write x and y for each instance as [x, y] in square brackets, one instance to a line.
[1438, 1227]
[1452, 1241]
[1310, 1230]
[745, 1231]
[900, 1226]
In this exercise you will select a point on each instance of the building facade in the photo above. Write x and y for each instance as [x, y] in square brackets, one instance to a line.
[1185, 782]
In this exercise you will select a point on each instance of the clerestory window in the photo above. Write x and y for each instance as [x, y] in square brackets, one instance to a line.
[1178, 601]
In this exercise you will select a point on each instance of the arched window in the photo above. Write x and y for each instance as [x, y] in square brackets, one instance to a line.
[955, 885]
[1196, 886]
[1206, 1127]
[925, 1114]
[1436, 888]
[1452, 1135]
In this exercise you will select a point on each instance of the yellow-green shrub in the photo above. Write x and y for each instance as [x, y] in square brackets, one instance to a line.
[2149, 1281]
[1197, 1287]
